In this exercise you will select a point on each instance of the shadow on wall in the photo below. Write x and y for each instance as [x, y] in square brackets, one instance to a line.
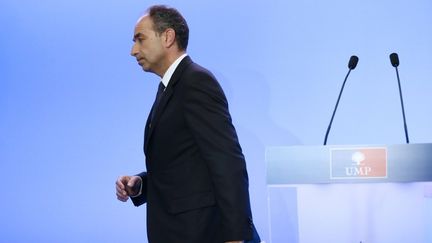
[249, 101]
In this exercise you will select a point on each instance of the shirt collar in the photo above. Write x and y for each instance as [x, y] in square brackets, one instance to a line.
[168, 74]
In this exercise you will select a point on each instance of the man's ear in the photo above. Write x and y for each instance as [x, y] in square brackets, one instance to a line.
[170, 37]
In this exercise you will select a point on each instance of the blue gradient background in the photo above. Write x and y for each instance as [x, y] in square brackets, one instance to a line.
[73, 103]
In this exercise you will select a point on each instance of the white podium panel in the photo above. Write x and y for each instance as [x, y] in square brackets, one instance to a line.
[350, 209]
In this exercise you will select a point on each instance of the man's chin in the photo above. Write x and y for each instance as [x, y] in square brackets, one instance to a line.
[146, 69]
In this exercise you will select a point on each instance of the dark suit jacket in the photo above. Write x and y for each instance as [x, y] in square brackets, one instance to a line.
[196, 184]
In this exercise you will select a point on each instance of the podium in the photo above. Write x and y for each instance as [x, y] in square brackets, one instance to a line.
[350, 193]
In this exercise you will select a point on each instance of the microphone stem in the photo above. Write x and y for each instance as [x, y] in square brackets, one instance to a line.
[337, 104]
[402, 105]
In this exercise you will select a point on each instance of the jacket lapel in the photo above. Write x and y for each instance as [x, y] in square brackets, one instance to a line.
[164, 100]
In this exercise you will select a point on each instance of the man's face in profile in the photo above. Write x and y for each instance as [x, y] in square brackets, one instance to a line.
[148, 46]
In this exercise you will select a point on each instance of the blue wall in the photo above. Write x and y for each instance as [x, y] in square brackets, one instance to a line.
[73, 103]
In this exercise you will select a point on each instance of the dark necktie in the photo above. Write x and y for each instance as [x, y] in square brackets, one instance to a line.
[159, 95]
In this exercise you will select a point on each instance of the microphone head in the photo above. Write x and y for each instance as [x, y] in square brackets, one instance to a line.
[353, 62]
[394, 59]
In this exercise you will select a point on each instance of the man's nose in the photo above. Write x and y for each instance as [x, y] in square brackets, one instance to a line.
[134, 50]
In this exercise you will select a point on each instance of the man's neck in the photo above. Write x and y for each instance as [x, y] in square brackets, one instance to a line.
[169, 61]
[170, 71]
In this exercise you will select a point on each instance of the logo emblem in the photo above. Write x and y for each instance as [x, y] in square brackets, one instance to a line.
[358, 163]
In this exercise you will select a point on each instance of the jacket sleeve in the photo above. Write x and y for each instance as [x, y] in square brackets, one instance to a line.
[141, 199]
[207, 116]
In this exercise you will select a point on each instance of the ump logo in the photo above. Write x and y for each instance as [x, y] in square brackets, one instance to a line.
[361, 163]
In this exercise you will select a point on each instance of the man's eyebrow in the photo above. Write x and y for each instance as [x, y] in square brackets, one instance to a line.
[137, 35]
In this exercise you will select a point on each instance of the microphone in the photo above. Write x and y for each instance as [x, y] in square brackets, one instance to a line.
[352, 62]
[394, 59]
[351, 65]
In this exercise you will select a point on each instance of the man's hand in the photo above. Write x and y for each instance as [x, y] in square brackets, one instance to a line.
[127, 186]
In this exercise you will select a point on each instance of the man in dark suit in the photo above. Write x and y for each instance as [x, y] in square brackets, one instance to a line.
[196, 184]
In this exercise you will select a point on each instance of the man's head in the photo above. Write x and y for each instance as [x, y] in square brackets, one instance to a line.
[164, 18]
[160, 36]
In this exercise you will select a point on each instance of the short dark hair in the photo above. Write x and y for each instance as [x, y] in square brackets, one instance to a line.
[165, 17]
